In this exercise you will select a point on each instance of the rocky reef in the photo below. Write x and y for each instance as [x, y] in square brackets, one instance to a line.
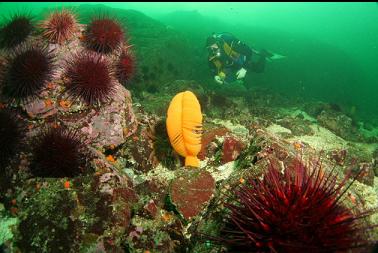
[89, 166]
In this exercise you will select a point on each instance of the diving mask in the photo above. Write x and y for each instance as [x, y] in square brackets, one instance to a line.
[214, 52]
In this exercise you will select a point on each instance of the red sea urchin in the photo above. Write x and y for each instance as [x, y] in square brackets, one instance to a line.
[58, 152]
[27, 71]
[59, 27]
[15, 31]
[10, 137]
[104, 35]
[299, 210]
[90, 78]
[125, 66]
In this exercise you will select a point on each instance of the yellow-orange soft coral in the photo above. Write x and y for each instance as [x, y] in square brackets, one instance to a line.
[184, 126]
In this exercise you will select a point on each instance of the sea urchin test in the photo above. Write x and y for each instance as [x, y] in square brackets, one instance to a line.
[184, 126]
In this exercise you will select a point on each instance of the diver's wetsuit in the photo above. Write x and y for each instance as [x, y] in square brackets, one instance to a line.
[232, 56]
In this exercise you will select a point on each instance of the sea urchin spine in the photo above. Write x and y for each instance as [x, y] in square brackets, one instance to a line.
[10, 137]
[15, 31]
[59, 27]
[126, 66]
[90, 78]
[28, 70]
[59, 152]
[2, 68]
[104, 35]
[299, 210]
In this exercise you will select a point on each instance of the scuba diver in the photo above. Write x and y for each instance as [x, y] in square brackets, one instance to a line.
[230, 59]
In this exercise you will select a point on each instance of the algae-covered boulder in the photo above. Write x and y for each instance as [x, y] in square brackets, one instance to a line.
[73, 109]
[75, 215]
[340, 124]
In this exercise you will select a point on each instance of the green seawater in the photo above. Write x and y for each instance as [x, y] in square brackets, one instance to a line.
[331, 48]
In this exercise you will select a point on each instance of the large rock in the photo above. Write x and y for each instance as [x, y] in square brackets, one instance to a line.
[92, 210]
[207, 141]
[191, 191]
[76, 214]
[298, 126]
[339, 124]
[110, 125]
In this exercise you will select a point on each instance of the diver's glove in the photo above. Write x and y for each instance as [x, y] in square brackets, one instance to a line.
[241, 73]
[218, 79]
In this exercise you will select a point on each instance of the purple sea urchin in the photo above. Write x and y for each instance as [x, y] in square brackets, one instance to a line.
[15, 31]
[103, 35]
[59, 27]
[27, 71]
[58, 152]
[299, 210]
[10, 136]
[90, 78]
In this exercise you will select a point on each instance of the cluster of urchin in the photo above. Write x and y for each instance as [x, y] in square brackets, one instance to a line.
[31, 64]
[89, 76]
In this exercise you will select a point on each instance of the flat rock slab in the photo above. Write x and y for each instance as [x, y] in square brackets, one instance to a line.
[232, 148]
[191, 191]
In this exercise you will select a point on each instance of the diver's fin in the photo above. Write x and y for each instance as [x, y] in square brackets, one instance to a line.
[269, 55]
[277, 57]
